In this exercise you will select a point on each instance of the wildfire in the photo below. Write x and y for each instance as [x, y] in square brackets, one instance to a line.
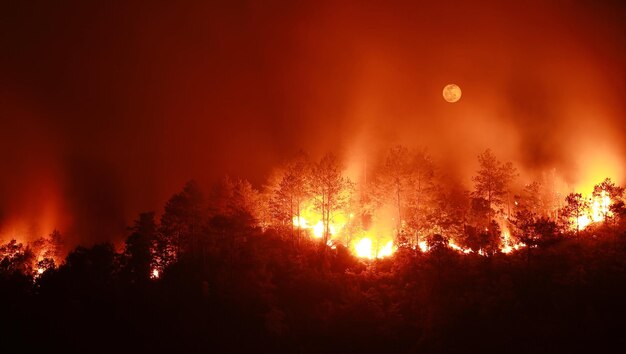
[299, 221]
[458, 248]
[154, 274]
[310, 220]
[318, 230]
[507, 245]
[364, 248]
[387, 250]
[370, 247]
[344, 229]
[582, 221]
[599, 209]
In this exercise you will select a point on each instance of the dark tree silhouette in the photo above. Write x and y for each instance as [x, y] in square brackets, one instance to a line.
[492, 182]
[48, 251]
[450, 211]
[533, 230]
[140, 246]
[181, 225]
[15, 258]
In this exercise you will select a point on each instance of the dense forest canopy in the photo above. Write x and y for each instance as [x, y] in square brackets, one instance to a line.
[404, 203]
[402, 261]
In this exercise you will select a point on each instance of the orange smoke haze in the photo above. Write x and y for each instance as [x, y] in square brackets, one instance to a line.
[107, 109]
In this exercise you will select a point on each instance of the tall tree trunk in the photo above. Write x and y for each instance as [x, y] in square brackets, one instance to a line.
[291, 216]
[299, 221]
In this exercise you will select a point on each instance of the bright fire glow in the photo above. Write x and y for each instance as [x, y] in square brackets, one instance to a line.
[318, 230]
[458, 248]
[368, 245]
[386, 251]
[299, 221]
[599, 209]
[310, 219]
[507, 245]
[364, 248]
[583, 221]
[154, 274]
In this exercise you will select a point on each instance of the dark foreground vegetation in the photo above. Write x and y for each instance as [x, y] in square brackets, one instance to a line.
[265, 295]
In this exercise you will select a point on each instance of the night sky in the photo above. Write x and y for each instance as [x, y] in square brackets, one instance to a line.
[107, 109]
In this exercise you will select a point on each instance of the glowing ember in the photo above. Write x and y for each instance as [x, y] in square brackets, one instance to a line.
[508, 248]
[583, 222]
[458, 248]
[423, 246]
[507, 245]
[154, 274]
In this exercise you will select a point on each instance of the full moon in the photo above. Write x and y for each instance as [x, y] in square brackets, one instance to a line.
[451, 93]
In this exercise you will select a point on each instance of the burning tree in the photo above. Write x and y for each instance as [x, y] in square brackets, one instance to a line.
[48, 251]
[406, 182]
[491, 189]
[16, 259]
[576, 210]
[330, 189]
[608, 199]
[604, 204]
[293, 190]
